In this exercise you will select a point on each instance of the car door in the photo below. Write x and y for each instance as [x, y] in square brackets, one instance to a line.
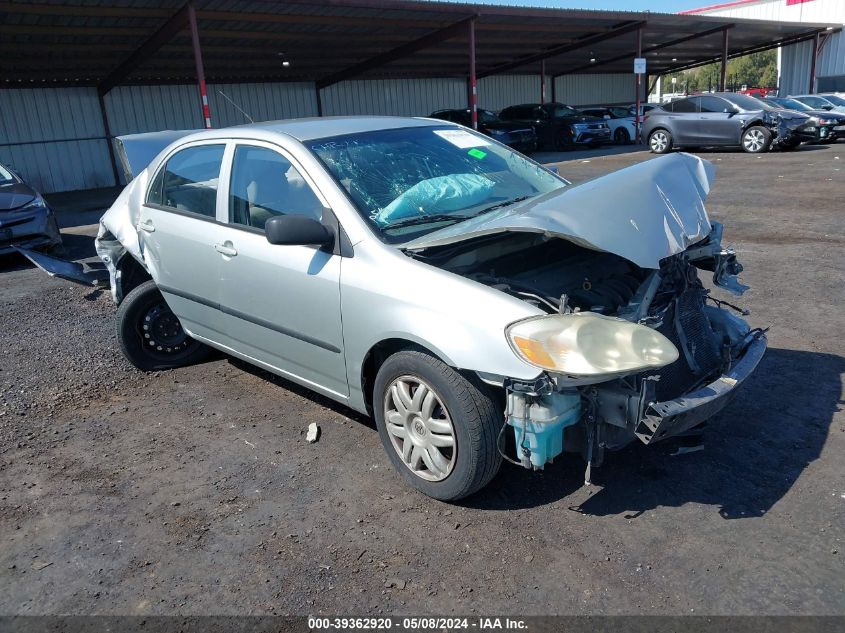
[717, 122]
[281, 304]
[177, 233]
[683, 121]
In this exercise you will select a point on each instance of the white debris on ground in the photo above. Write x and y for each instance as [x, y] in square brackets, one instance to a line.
[313, 433]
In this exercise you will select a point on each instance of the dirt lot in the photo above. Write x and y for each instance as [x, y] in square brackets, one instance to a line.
[195, 492]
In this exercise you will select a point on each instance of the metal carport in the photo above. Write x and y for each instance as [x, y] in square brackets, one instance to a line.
[109, 43]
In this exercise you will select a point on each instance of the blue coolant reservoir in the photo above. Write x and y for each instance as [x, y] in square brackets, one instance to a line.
[538, 423]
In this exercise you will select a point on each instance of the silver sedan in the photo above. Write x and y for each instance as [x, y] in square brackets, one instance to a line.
[475, 303]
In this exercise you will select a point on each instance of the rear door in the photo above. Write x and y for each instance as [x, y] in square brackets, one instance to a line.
[281, 304]
[178, 230]
[717, 123]
[684, 121]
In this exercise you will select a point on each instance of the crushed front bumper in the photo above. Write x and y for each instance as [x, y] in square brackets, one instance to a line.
[673, 417]
[34, 228]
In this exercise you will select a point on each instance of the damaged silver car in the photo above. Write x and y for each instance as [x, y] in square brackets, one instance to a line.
[475, 303]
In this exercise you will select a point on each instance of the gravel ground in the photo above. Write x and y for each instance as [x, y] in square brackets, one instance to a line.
[195, 492]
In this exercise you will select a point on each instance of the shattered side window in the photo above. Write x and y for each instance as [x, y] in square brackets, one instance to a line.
[411, 181]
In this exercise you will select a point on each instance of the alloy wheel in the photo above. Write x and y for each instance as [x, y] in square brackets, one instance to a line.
[659, 141]
[754, 140]
[420, 428]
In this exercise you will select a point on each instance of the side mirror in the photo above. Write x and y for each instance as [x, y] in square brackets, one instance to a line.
[297, 230]
[828, 108]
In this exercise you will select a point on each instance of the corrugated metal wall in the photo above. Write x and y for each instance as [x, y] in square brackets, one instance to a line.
[400, 97]
[54, 138]
[580, 90]
[795, 60]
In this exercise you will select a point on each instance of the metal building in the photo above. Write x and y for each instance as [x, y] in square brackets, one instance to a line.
[817, 65]
[75, 74]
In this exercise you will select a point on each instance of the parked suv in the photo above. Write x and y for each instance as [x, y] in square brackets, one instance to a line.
[515, 134]
[559, 126]
[725, 118]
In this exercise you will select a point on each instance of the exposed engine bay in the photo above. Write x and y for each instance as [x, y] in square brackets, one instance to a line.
[561, 277]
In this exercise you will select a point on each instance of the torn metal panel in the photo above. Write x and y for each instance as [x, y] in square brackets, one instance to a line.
[643, 213]
[72, 271]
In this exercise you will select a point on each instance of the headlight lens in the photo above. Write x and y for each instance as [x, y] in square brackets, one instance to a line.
[36, 202]
[585, 344]
[498, 132]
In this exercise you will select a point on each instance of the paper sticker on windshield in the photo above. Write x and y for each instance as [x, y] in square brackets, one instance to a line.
[462, 139]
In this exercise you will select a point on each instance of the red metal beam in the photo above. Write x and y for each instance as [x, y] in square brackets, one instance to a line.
[162, 36]
[195, 42]
[564, 48]
[435, 37]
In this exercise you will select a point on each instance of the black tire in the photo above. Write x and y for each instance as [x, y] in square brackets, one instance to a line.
[151, 336]
[621, 136]
[660, 141]
[790, 145]
[756, 140]
[476, 421]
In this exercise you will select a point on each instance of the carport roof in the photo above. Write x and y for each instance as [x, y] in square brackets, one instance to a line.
[106, 42]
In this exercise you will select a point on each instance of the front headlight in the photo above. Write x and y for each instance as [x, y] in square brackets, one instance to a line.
[36, 203]
[585, 344]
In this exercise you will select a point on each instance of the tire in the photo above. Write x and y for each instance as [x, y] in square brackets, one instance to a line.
[621, 136]
[660, 141]
[450, 408]
[151, 336]
[756, 140]
[790, 145]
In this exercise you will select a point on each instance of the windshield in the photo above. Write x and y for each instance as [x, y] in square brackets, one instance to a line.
[835, 100]
[6, 176]
[748, 103]
[815, 102]
[408, 182]
[792, 104]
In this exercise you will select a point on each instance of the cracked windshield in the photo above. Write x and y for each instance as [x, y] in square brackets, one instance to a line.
[413, 181]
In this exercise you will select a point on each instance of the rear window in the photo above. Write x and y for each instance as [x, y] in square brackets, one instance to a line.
[520, 113]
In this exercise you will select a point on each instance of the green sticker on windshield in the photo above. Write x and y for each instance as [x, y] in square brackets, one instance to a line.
[477, 153]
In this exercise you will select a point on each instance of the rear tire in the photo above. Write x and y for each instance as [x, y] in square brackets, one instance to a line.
[151, 336]
[660, 141]
[438, 427]
[756, 140]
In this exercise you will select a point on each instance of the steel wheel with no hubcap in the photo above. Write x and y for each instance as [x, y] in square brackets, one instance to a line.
[420, 428]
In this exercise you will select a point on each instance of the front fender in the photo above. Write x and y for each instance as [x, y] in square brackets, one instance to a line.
[387, 295]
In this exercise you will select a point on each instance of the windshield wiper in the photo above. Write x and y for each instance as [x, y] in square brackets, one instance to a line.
[506, 203]
[426, 219]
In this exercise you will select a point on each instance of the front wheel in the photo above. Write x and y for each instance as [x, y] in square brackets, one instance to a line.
[756, 139]
[151, 336]
[660, 141]
[438, 427]
[621, 136]
[790, 144]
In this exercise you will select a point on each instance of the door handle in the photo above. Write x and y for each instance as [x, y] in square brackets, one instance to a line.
[226, 249]
[147, 225]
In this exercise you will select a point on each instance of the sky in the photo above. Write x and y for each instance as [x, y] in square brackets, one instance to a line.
[662, 6]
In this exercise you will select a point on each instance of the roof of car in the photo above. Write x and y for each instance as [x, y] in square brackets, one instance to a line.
[320, 127]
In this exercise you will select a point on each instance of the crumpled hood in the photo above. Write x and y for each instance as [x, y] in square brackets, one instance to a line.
[643, 213]
[14, 195]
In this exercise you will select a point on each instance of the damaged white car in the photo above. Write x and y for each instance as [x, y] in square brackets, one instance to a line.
[475, 303]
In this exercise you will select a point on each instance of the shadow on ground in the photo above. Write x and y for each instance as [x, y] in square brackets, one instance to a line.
[755, 450]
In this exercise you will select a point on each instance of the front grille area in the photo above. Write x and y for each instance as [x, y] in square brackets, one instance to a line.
[686, 325]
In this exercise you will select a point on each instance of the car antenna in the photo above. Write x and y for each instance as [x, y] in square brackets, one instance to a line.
[238, 108]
